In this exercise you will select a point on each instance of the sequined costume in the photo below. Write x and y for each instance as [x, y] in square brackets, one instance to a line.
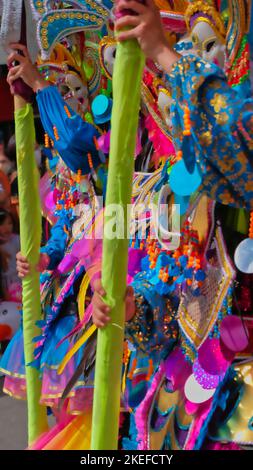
[191, 405]
[221, 133]
[182, 297]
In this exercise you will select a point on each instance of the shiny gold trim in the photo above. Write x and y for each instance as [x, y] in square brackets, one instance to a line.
[201, 7]
[13, 395]
[11, 374]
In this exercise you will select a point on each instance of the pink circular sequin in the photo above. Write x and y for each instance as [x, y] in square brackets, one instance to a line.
[212, 358]
[234, 334]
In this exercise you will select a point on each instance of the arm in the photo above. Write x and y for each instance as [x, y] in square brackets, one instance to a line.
[221, 136]
[221, 130]
[73, 138]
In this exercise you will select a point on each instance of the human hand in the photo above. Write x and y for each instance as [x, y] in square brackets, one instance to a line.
[101, 311]
[43, 262]
[23, 267]
[146, 26]
[25, 69]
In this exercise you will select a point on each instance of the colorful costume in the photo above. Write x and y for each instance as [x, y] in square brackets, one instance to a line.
[196, 389]
[180, 382]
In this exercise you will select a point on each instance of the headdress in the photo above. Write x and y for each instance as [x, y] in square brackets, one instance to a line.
[205, 11]
[56, 19]
[231, 21]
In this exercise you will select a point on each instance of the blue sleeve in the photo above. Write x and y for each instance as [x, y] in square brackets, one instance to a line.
[154, 329]
[73, 138]
[56, 245]
[221, 139]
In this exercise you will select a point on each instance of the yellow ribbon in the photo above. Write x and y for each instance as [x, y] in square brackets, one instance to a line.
[81, 296]
[75, 348]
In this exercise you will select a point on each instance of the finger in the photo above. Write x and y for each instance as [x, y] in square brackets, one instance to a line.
[99, 288]
[15, 56]
[98, 323]
[22, 266]
[127, 20]
[20, 47]
[20, 257]
[11, 58]
[100, 320]
[13, 78]
[131, 34]
[14, 70]
[136, 7]
[101, 316]
[9, 79]
[129, 293]
[22, 274]
[100, 305]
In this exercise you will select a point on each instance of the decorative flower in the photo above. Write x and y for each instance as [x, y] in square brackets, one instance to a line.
[218, 102]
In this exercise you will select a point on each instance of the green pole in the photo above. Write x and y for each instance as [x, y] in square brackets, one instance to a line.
[30, 237]
[127, 75]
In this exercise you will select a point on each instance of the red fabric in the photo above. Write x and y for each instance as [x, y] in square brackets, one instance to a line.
[4, 181]
[6, 100]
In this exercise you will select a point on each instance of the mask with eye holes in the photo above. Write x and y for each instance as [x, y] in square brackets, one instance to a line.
[207, 44]
[207, 30]
[107, 54]
[164, 104]
[63, 70]
[74, 91]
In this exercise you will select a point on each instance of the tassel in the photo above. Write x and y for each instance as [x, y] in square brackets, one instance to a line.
[134, 365]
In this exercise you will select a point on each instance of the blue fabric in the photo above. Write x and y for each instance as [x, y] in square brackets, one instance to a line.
[53, 354]
[221, 139]
[216, 402]
[153, 330]
[56, 245]
[13, 359]
[76, 137]
[132, 442]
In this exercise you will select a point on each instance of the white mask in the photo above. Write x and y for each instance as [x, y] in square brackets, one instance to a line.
[207, 44]
[107, 53]
[164, 103]
[109, 58]
[74, 92]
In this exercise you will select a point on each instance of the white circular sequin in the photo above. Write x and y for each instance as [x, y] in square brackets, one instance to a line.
[195, 393]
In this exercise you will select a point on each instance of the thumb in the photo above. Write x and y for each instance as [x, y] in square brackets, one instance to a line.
[129, 292]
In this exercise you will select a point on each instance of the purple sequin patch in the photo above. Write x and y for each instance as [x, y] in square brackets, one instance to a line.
[197, 15]
[207, 381]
